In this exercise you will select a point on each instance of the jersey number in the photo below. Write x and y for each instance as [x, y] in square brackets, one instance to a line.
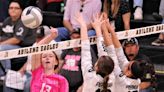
[45, 88]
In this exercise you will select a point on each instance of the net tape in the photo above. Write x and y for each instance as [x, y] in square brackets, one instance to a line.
[21, 52]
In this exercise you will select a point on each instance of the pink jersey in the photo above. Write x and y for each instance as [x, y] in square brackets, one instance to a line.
[48, 83]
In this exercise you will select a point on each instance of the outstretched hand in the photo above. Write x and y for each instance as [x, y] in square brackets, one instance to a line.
[107, 23]
[97, 21]
[83, 26]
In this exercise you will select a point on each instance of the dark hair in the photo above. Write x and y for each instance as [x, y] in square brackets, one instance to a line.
[77, 31]
[105, 84]
[19, 2]
[105, 66]
[137, 70]
[143, 70]
[116, 4]
[56, 66]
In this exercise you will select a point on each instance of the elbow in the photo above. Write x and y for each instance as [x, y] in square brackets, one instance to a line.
[65, 22]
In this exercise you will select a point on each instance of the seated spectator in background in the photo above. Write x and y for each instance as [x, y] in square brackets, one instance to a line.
[137, 5]
[160, 40]
[131, 49]
[71, 67]
[88, 8]
[14, 34]
[118, 13]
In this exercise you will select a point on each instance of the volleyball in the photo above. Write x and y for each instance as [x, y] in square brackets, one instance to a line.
[32, 17]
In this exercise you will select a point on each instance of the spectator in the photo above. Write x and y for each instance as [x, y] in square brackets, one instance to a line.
[160, 40]
[119, 13]
[14, 34]
[71, 68]
[45, 67]
[131, 48]
[88, 8]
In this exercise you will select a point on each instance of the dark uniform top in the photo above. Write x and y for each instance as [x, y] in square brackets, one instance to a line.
[17, 29]
[71, 68]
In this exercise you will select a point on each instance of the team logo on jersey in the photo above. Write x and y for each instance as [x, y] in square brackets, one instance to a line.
[20, 31]
[45, 88]
[71, 62]
[8, 29]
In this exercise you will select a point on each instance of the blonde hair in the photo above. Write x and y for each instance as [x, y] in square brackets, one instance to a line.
[107, 6]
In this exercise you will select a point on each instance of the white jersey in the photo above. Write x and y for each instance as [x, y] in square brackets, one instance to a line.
[131, 85]
[92, 81]
[123, 61]
[117, 81]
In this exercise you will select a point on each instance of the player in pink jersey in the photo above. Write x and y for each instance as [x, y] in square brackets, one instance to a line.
[45, 77]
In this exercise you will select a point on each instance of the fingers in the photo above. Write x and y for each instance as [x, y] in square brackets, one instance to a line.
[54, 30]
[97, 18]
[105, 16]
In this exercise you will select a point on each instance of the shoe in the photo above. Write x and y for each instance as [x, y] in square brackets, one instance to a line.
[2, 77]
[158, 42]
[138, 14]
[157, 16]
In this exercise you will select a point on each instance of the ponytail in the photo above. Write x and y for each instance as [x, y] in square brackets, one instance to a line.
[105, 84]
[105, 66]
